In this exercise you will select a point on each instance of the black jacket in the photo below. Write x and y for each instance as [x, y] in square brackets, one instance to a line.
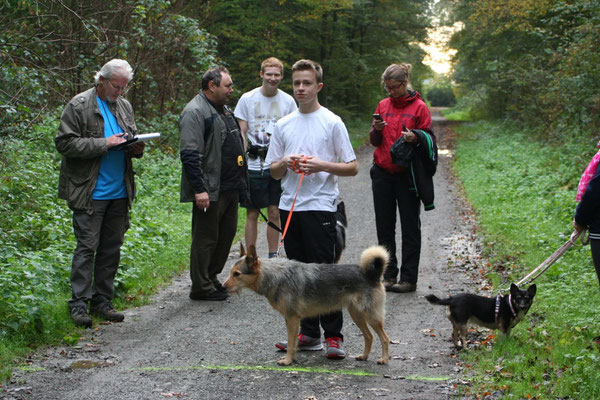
[588, 209]
[421, 159]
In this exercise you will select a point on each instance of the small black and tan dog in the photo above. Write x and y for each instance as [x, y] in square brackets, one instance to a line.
[501, 313]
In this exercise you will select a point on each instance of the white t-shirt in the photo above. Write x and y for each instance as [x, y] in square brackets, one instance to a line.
[321, 134]
[261, 113]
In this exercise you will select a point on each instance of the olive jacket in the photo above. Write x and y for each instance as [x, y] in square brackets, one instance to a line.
[80, 140]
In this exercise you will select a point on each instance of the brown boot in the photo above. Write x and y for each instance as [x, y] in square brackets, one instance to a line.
[403, 287]
[388, 283]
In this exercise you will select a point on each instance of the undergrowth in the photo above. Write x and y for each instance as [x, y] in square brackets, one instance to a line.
[37, 241]
[522, 189]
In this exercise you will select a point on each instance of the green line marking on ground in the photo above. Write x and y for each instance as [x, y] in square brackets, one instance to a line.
[311, 370]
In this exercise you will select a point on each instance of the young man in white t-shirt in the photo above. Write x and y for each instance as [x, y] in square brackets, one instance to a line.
[315, 141]
[257, 112]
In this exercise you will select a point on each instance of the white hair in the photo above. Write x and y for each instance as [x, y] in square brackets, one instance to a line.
[110, 68]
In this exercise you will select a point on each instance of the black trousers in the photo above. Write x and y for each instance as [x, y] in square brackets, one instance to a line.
[213, 232]
[97, 255]
[310, 238]
[391, 192]
[595, 247]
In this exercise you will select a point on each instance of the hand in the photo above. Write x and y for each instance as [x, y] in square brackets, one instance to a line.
[379, 124]
[577, 227]
[409, 136]
[305, 164]
[202, 201]
[115, 140]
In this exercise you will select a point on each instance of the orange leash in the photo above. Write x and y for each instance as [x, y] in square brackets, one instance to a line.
[289, 218]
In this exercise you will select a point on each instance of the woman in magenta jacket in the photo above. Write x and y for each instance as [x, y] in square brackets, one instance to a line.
[395, 116]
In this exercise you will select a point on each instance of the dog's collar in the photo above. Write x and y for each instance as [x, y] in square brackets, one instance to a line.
[510, 304]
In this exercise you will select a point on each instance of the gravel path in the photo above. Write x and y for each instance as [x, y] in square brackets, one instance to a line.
[175, 347]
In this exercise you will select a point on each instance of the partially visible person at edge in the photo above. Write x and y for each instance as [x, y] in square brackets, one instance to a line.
[390, 182]
[257, 111]
[97, 182]
[315, 141]
[587, 213]
[213, 176]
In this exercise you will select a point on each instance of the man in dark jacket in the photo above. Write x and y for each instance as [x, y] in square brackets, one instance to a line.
[97, 182]
[213, 175]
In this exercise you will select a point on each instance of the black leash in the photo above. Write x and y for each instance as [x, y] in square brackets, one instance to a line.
[271, 224]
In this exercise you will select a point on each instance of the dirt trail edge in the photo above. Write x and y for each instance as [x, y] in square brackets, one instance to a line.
[176, 347]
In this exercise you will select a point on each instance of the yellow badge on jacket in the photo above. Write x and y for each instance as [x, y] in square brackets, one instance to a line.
[240, 161]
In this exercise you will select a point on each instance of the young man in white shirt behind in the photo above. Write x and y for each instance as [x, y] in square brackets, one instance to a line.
[315, 141]
[257, 112]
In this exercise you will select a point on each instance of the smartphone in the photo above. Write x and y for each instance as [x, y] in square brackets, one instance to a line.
[377, 117]
[403, 128]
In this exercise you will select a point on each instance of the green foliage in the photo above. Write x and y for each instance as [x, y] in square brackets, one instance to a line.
[523, 193]
[36, 239]
[523, 59]
[441, 97]
[353, 40]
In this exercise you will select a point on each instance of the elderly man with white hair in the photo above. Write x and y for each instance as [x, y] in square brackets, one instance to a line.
[96, 179]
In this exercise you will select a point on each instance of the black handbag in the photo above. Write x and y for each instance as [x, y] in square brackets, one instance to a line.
[402, 152]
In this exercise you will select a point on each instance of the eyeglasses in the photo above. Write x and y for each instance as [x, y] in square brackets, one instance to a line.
[395, 87]
[118, 88]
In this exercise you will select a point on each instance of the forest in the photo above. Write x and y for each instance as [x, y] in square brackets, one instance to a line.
[530, 65]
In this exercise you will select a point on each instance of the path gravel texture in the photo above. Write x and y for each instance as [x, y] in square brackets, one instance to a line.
[179, 348]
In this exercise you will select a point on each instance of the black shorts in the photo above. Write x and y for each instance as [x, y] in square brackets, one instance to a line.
[264, 190]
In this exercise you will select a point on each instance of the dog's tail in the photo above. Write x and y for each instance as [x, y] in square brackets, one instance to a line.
[373, 262]
[433, 299]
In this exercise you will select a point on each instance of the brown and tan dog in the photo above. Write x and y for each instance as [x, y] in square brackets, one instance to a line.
[299, 290]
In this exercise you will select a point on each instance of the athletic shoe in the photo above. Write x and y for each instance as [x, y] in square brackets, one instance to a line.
[305, 343]
[80, 316]
[107, 312]
[335, 348]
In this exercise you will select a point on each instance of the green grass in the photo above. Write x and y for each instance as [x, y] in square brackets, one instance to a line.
[523, 193]
[358, 130]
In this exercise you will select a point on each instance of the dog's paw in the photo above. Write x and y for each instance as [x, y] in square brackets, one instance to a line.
[382, 361]
[361, 357]
[284, 361]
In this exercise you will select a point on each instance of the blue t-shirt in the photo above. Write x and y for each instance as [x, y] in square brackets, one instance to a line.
[111, 177]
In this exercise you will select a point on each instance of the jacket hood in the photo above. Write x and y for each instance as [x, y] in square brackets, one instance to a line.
[401, 102]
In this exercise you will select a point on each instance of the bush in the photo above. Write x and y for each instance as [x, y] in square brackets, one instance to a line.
[441, 97]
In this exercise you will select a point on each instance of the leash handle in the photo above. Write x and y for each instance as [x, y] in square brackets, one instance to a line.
[583, 235]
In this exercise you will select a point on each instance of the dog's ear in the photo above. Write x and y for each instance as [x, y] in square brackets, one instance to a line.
[252, 260]
[252, 251]
[513, 289]
[531, 290]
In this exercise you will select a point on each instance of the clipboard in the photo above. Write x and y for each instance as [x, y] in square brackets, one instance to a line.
[141, 138]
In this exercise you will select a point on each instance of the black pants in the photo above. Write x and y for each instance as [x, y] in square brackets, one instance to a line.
[98, 252]
[595, 247]
[310, 238]
[391, 192]
[213, 232]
